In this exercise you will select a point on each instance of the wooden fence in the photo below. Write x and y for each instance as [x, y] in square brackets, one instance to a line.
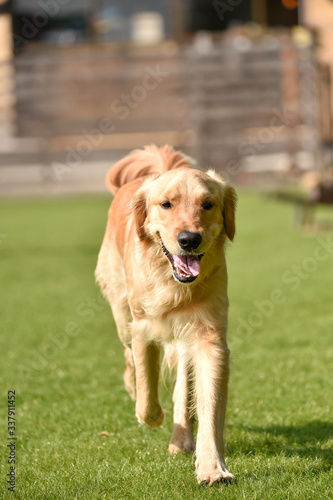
[240, 110]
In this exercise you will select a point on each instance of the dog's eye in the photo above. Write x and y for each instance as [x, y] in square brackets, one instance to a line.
[207, 205]
[166, 205]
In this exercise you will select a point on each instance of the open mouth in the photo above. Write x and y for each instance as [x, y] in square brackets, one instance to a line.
[186, 268]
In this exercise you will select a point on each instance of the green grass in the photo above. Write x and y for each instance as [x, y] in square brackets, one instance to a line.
[61, 354]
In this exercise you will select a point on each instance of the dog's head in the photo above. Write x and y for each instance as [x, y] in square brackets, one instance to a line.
[188, 214]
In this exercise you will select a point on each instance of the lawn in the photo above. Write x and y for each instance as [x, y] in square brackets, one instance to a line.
[77, 436]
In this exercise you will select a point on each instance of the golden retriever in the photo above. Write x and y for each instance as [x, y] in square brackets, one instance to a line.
[162, 268]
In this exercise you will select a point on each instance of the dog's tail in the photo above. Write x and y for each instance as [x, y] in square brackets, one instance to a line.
[142, 162]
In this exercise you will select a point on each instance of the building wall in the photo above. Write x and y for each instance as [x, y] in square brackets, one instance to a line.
[319, 15]
[7, 97]
[5, 37]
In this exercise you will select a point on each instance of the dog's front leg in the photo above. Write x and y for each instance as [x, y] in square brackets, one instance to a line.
[147, 366]
[212, 373]
[182, 434]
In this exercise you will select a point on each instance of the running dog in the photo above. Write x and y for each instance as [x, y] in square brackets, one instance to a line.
[162, 269]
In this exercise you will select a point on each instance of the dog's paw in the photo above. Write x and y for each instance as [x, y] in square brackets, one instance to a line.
[212, 475]
[153, 417]
[181, 446]
[181, 440]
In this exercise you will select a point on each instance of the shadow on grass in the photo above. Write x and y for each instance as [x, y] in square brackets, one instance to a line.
[306, 441]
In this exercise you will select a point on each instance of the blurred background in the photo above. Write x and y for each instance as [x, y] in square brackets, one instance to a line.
[243, 86]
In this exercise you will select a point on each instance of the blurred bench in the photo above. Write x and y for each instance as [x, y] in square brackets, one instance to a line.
[305, 203]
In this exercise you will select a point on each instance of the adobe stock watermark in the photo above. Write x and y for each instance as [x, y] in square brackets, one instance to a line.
[291, 278]
[256, 144]
[225, 7]
[55, 342]
[122, 108]
[40, 18]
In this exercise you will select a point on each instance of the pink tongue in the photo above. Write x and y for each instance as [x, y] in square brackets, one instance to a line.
[187, 264]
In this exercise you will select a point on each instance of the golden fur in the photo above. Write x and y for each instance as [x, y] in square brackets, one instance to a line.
[164, 295]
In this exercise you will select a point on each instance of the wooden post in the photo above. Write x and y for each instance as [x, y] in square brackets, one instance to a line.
[259, 11]
[178, 18]
[92, 12]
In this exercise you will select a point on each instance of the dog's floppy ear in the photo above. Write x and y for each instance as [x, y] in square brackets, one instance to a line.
[229, 200]
[139, 208]
[229, 207]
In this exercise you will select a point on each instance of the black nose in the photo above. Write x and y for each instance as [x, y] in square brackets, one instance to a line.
[189, 241]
